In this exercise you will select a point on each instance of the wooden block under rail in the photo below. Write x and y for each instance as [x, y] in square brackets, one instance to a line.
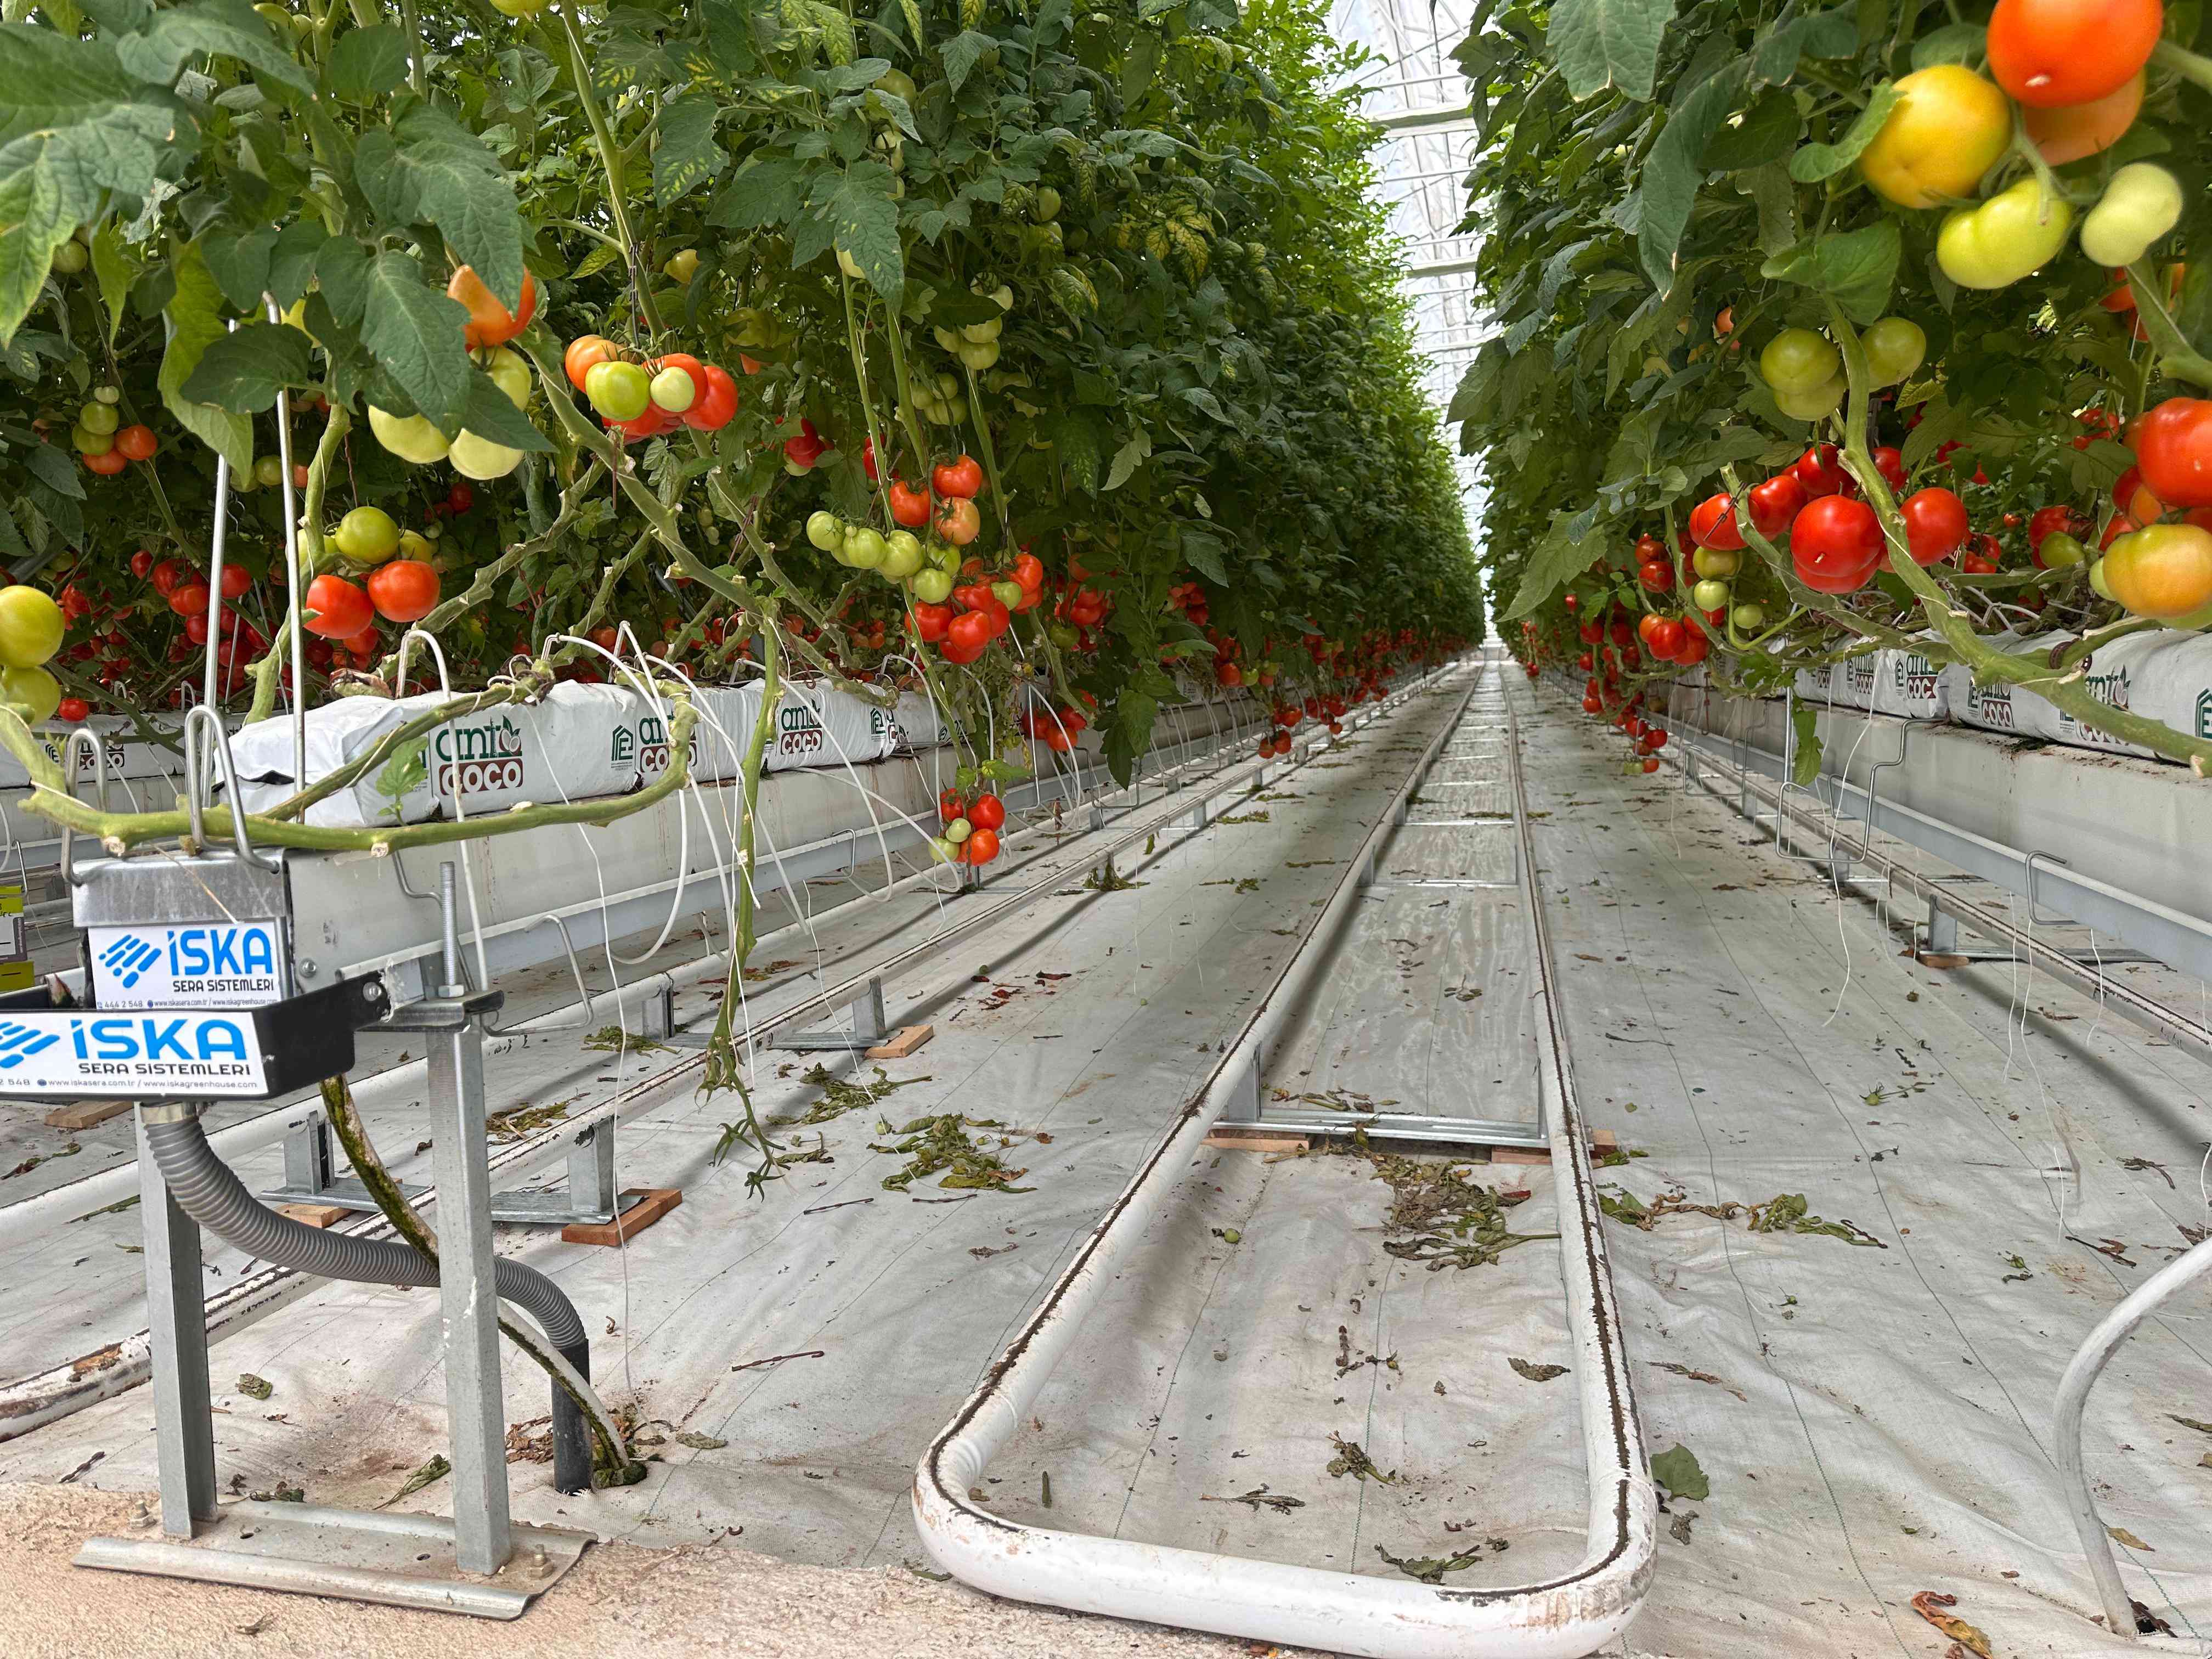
[903, 1041]
[1250, 1138]
[315, 1215]
[647, 1205]
[84, 1114]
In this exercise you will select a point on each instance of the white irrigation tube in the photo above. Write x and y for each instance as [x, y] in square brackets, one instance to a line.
[2066, 1429]
[28, 1402]
[1563, 1617]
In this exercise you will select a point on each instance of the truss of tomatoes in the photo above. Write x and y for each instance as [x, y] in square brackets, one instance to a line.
[644, 398]
[972, 824]
[981, 608]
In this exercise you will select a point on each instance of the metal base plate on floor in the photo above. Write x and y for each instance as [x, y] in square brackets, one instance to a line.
[531, 1206]
[395, 1560]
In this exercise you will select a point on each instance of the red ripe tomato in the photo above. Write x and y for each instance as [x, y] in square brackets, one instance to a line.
[1890, 463]
[1712, 524]
[1657, 574]
[961, 479]
[73, 709]
[652, 423]
[1836, 545]
[712, 409]
[1667, 636]
[1695, 649]
[1981, 560]
[1934, 524]
[195, 630]
[988, 813]
[237, 582]
[1592, 706]
[364, 644]
[1656, 738]
[980, 847]
[1644, 624]
[908, 507]
[142, 564]
[1819, 472]
[2173, 449]
[1651, 764]
[1590, 632]
[137, 443]
[108, 463]
[404, 590]
[806, 448]
[1648, 547]
[1775, 503]
[336, 609]
[2046, 521]
[1228, 675]
[191, 600]
[970, 631]
[2051, 53]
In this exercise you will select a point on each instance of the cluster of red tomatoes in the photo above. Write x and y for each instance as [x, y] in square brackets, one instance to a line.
[982, 608]
[644, 398]
[1627, 716]
[1190, 598]
[956, 483]
[1057, 730]
[971, 826]
[1835, 538]
[1081, 607]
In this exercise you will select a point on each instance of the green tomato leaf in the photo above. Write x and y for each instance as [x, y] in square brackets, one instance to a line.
[1128, 458]
[1817, 161]
[291, 260]
[115, 270]
[1857, 268]
[1202, 552]
[1955, 43]
[688, 155]
[193, 320]
[491, 414]
[766, 190]
[428, 169]
[241, 370]
[863, 220]
[1674, 170]
[415, 332]
[1676, 1468]
[241, 264]
[1766, 132]
[214, 28]
[1608, 43]
[961, 54]
[366, 63]
[1555, 559]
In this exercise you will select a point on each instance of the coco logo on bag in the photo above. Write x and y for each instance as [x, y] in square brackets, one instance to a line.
[484, 758]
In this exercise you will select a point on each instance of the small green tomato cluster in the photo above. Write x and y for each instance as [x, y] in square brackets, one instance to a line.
[898, 558]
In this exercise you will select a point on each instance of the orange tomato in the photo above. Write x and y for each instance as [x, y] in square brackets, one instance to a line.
[2073, 130]
[585, 353]
[491, 323]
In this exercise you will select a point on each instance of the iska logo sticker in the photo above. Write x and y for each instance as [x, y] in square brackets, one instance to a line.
[128, 958]
[19, 1042]
[2204, 713]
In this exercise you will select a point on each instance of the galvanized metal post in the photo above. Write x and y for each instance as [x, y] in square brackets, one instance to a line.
[475, 1410]
[592, 1170]
[1942, 930]
[176, 1322]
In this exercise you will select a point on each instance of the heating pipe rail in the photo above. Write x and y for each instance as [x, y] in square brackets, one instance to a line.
[1565, 1617]
[34, 1399]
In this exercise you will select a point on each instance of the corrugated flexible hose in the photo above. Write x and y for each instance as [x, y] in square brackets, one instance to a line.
[207, 1189]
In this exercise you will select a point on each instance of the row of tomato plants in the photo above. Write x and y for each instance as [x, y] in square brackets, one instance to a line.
[1879, 330]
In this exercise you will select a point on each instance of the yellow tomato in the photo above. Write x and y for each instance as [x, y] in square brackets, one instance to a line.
[1949, 127]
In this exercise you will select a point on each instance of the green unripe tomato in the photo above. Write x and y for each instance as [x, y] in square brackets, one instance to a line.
[947, 557]
[70, 258]
[520, 7]
[413, 437]
[902, 555]
[864, 548]
[1007, 593]
[268, 470]
[1895, 347]
[1814, 405]
[618, 390]
[1710, 595]
[510, 373]
[108, 394]
[674, 390]
[979, 356]
[847, 263]
[942, 850]
[977, 333]
[825, 531]
[959, 831]
[30, 626]
[96, 417]
[2097, 579]
[2142, 204]
[898, 82]
[1711, 562]
[2005, 237]
[2060, 550]
[1046, 208]
[933, 586]
[367, 535]
[1799, 360]
[682, 267]
[89, 442]
[1748, 617]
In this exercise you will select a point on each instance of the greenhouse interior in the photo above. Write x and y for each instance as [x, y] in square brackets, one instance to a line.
[681, 968]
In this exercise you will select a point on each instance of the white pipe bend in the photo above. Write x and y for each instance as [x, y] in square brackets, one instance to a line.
[1565, 1617]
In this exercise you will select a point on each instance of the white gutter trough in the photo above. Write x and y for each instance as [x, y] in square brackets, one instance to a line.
[1565, 1617]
